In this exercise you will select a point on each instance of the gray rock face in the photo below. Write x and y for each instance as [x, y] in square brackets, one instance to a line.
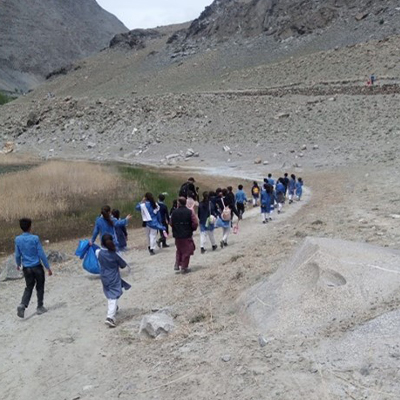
[9, 270]
[59, 32]
[156, 325]
[135, 39]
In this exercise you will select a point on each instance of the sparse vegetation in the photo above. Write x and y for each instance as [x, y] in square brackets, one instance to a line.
[64, 198]
[5, 98]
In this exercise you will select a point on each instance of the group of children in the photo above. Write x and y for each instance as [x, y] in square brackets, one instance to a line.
[216, 209]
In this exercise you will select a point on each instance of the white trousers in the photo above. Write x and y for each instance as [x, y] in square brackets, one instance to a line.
[203, 238]
[264, 216]
[225, 234]
[279, 206]
[112, 308]
[151, 237]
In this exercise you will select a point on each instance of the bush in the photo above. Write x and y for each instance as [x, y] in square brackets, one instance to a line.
[5, 99]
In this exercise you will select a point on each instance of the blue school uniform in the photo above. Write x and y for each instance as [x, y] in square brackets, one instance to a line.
[266, 200]
[155, 216]
[241, 197]
[292, 186]
[299, 189]
[122, 234]
[29, 251]
[102, 227]
[110, 263]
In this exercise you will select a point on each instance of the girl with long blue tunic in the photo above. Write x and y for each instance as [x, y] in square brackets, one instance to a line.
[299, 189]
[110, 263]
[266, 200]
[106, 224]
[151, 220]
[120, 230]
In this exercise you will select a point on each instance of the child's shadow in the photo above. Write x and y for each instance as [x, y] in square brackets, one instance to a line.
[52, 308]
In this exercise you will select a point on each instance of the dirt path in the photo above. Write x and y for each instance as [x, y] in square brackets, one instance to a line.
[69, 353]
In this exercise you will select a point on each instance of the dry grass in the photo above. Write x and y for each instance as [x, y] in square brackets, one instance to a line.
[54, 188]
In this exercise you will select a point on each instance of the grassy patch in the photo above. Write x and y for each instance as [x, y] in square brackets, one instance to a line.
[64, 198]
[5, 99]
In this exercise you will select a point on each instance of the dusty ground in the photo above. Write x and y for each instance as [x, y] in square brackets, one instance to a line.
[69, 353]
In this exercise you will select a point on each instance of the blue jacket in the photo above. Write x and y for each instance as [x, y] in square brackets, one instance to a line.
[299, 188]
[110, 263]
[241, 197]
[292, 185]
[122, 234]
[266, 200]
[280, 188]
[155, 222]
[29, 251]
[102, 227]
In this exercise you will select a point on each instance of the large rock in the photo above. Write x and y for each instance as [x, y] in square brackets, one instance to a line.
[9, 270]
[57, 257]
[9, 147]
[156, 325]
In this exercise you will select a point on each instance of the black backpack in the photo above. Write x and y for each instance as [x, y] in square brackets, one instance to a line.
[184, 191]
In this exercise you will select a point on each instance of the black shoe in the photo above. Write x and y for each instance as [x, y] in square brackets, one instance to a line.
[222, 244]
[176, 267]
[215, 247]
[165, 245]
[159, 242]
[225, 244]
[41, 310]
[111, 323]
[186, 271]
[265, 221]
[151, 251]
[203, 250]
[21, 311]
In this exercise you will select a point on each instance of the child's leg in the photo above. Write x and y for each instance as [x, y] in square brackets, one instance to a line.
[112, 308]
[279, 207]
[40, 280]
[226, 232]
[203, 236]
[30, 284]
[212, 238]
[148, 230]
[153, 238]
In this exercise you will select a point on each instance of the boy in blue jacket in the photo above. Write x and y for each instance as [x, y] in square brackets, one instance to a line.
[30, 255]
[241, 200]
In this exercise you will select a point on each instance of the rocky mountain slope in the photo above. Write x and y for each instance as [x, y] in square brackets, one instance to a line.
[49, 34]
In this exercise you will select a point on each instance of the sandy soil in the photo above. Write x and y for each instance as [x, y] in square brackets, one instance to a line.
[69, 353]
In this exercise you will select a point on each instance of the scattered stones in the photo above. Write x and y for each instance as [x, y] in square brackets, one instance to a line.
[304, 147]
[361, 16]
[33, 119]
[9, 270]
[257, 161]
[395, 216]
[266, 163]
[315, 147]
[156, 325]
[226, 358]
[57, 257]
[226, 148]
[171, 156]
[91, 145]
[9, 147]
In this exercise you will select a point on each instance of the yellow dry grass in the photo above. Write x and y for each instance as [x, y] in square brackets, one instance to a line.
[52, 188]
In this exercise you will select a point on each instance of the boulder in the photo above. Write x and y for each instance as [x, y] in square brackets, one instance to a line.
[361, 16]
[33, 119]
[226, 148]
[91, 145]
[9, 270]
[190, 153]
[258, 160]
[57, 257]
[8, 147]
[156, 325]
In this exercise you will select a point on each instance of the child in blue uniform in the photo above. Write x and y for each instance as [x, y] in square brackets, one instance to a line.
[110, 263]
[292, 187]
[299, 189]
[266, 200]
[120, 230]
[241, 200]
[30, 255]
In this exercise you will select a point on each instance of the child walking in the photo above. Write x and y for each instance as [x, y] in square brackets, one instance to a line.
[207, 218]
[241, 200]
[292, 187]
[110, 263]
[266, 200]
[30, 255]
[120, 230]
[165, 217]
[299, 189]
[255, 192]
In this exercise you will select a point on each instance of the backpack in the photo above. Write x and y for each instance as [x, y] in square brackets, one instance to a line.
[183, 192]
[226, 212]
[256, 190]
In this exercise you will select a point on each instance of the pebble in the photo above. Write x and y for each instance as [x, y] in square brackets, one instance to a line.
[226, 358]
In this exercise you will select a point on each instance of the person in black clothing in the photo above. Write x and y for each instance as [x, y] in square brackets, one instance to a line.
[164, 216]
[184, 222]
[189, 189]
[285, 182]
